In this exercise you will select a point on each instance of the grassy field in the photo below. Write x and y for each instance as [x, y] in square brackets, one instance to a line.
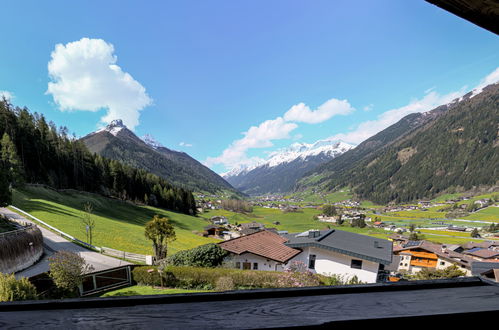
[119, 225]
[141, 290]
[309, 197]
[490, 213]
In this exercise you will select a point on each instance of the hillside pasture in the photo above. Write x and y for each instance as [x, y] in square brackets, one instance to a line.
[118, 224]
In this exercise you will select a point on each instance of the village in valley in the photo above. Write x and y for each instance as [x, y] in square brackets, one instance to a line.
[414, 237]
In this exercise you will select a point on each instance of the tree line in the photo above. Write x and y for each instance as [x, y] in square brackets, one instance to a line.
[36, 151]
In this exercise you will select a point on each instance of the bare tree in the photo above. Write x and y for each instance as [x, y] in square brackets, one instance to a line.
[88, 221]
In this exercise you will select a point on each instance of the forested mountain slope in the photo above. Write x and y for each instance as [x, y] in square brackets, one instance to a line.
[119, 143]
[452, 147]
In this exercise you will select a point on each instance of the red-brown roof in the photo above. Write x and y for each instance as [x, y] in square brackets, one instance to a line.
[263, 243]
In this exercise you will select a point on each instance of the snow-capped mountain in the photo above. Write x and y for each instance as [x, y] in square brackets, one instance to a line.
[116, 141]
[279, 172]
[152, 142]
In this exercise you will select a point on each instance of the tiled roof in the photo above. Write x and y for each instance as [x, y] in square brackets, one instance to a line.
[484, 245]
[263, 243]
[483, 253]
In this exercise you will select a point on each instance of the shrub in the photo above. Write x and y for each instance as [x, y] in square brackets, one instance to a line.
[146, 275]
[67, 270]
[297, 275]
[12, 289]
[205, 278]
[224, 283]
[335, 279]
[208, 255]
[432, 274]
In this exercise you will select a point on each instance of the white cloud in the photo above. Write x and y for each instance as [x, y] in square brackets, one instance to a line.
[431, 100]
[184, 144]
[368, 107]
[492, 78]
[260, 136]
[302, 113]
[7, 95]
[85, 77]
[368, 128]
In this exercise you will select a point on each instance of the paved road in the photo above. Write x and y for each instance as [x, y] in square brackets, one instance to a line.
[53, 242]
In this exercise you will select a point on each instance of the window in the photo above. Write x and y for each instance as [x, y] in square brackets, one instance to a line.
[238, 265]
[255, 265]
[357, 264]
[311, 261]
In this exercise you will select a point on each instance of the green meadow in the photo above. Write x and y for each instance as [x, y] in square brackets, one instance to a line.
[118, 224]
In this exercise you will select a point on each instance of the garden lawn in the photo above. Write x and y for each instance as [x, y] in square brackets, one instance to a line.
[118, 224]
[143, 290]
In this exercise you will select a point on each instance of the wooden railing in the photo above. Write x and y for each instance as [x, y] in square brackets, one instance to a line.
[127, 255]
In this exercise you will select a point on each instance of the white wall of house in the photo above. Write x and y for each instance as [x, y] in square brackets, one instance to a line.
[329, 262]
[443, 263]
[263, 263]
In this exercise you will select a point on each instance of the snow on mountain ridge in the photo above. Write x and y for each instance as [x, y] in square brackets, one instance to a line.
[295, 151]
[151, 141]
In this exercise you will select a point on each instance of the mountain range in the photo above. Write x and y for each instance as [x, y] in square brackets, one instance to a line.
[451, 148]
[117, 142]
[280, 172]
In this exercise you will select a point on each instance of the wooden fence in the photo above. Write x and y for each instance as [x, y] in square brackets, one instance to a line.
[127, 255]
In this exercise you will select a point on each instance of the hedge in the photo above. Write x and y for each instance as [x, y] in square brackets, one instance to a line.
[206, 278]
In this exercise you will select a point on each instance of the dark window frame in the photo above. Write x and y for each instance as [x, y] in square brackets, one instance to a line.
[311, 261]
[356, 264]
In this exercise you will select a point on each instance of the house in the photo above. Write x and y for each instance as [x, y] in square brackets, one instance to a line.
[214, 230]
[339, 252]
[219, 220]
[325, 218]
[488, 270]
[482, 254]
[418, 255]
[250, 228]
[325, 252]
[262, 250]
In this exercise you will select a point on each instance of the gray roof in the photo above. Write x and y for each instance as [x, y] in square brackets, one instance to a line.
[479, 267]
[355, 245]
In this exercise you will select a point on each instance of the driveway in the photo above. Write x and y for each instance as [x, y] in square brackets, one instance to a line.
[53, 242]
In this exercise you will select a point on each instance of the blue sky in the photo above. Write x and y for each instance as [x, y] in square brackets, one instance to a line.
[218, 79]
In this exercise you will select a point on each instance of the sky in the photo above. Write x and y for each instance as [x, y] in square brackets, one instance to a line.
[228, 82]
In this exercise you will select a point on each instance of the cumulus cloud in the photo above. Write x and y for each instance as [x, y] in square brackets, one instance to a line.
[260, 136]
[302, 113]
[6, 95]
[85, 77]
